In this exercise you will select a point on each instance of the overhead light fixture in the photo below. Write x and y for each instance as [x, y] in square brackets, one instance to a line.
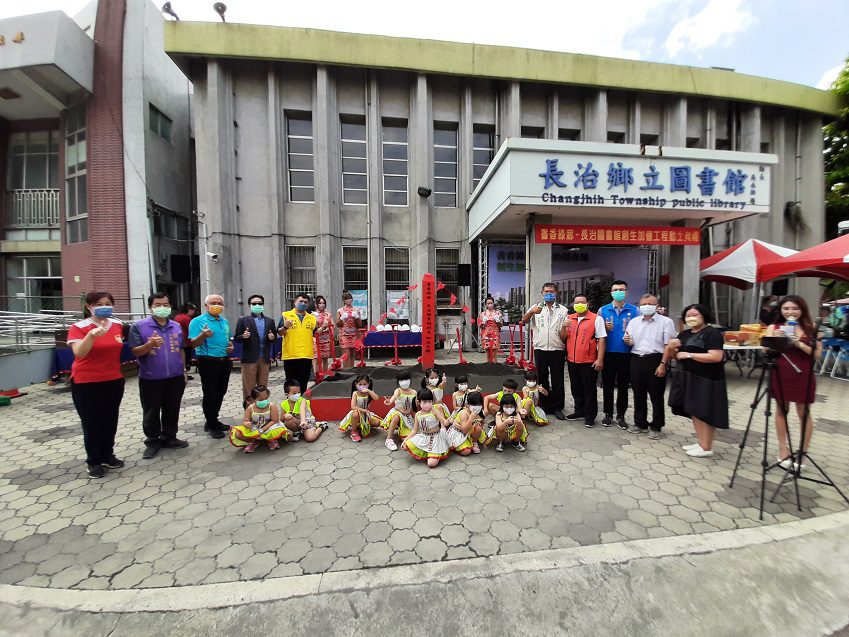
[167, 10]
[424, 192]
[220, 9]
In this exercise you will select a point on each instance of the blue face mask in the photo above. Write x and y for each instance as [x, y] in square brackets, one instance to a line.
[549, 297]
[300, 306]
[619, 295]
[103, 311]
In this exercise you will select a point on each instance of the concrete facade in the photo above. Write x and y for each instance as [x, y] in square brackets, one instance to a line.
[242, 107]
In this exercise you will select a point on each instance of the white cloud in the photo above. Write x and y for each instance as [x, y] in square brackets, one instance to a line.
[718, 21]
[828, 77]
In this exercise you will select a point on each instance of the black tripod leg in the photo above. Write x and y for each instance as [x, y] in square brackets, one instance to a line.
[758, 397]
[825, 475]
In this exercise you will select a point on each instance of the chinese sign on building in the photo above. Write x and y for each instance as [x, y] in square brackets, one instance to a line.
[617, 235]
[653, 182]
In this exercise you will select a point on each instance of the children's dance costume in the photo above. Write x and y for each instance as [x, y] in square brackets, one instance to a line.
[309, 420]
[405, 424]
[534, 410]
[258, 419]
[457, 440]
[430, 441]
[364, 424]
[459, 399]
[438, 393]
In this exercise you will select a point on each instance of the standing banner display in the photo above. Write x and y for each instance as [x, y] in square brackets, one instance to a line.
[361, 303]
[428, 320]
[397, 305]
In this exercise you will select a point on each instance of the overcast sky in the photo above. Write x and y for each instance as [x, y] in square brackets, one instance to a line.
[802, 41]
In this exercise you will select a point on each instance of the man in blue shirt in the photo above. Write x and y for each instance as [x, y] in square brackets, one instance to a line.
[617, 356]
[209, 334]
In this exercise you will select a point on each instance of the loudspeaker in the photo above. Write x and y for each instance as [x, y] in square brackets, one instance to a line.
[464, 274]
[181, 268]
[779, 288]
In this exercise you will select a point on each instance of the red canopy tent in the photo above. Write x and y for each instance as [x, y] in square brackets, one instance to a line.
[829, 260]
[743, 265]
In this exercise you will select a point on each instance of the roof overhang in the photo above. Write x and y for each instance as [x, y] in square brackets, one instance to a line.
[46, 65]
[532, 176]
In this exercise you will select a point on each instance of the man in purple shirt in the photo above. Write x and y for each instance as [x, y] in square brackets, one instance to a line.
[157, 343]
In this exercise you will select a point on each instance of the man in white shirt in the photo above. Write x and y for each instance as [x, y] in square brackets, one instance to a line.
[648, 335]
[546, 319]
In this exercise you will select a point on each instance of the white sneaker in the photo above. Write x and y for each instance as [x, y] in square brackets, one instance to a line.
[698, 452]
[688, 447]
[390, 444]
[784, 464]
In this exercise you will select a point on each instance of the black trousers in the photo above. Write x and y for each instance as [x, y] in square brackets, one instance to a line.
[298, 369]
[551, 362]
[160, 401]
[582, 381]
[189, 352]
[645, 383]
[214, 378]
[97, 405]
[614, 377]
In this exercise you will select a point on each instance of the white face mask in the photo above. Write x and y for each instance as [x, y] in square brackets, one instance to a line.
[362, 388]
[509, 410]
[462, 387]
[426, 406]
[433, 382]
[476, 409]
[403, 384]
[532, 383]
[293, 397]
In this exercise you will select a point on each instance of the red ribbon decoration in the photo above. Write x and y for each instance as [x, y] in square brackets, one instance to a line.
[453, 299]
[440, 286]
[466, 308]
[412, 287]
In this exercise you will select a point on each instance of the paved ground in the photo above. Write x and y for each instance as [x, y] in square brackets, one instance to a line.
[209, 514]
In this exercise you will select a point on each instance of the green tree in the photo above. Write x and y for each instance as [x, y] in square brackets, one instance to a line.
[836, 156]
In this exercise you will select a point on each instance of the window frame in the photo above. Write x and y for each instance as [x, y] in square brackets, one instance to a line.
[292, 289]
[452, 127]
[347, 264]
[395, 124]
[299, 116]
[447, 273]
[355, 120]
[478, 129]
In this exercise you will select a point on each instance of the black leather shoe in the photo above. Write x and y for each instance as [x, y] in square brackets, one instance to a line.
[150, 451]
[176, 443]
[559, 415]
[575, 417]
[215, 433]
[114, 463]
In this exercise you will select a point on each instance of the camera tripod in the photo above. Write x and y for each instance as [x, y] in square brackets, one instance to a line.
[794, 463]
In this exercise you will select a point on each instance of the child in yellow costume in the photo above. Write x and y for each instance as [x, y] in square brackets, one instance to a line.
[261, 422]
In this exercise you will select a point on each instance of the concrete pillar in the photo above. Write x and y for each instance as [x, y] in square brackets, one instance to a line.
[553, 123]
[327, 186]
[421, 161]
[811, 199]
[595, 117]
[537, 260]
[683, 288]
[375, 199]
[634, 125]
[276, 167]
[675, 123]
[511, 115]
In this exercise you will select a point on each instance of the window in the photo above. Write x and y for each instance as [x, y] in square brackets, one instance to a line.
[76, 195]
[723, 144]
[483, 150]
[569, 134]
[299, 154]
[33, 283]
[397, 268]
[764, 147]
[694, 142]
[615, 137]
[533, 132]
[354, 161]
[445, 165]
[395, 173]
[33, 161]
[300, 271]
[447, 260]
[649, 140]
[160, 124]
[355, 267]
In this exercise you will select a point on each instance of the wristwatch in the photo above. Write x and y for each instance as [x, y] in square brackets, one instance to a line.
[689, 355]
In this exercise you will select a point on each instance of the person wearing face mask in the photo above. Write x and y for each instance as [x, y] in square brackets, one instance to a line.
[260, 422]
[531, 394]
[348, 321]
[491, 321]
[547, 319]
[257, 335]
[793, 380]
[428, 439]
[209, 334]
[97, 384]
[648, 336]
[298, 328]
[465, 428]
[617, 354]
[360, 420]
[157, 343]
[698, 387]
[325, 349]
[586, 338]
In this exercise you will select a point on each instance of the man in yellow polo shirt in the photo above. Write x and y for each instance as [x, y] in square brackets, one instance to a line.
[298, 327]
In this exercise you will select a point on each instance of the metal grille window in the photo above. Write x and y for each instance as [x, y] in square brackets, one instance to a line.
[447, 261]
[354, 160]
[445, 164]
[355, 267]
[397, 268]
[299, 155]
[160, 124]
[533, 132]
[395, 167]
[569, 134]
[76, 195]
[483, 150]
[300, 271]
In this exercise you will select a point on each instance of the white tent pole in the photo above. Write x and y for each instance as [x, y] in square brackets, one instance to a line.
[756, 294]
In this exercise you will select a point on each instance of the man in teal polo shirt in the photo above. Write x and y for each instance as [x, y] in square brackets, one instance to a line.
[617, 355]
[209, 334]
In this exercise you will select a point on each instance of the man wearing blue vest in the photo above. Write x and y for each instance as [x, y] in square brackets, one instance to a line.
[209, 334]
[617, 355]
[157, 343]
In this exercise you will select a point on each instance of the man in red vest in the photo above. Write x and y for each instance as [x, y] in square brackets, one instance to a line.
[585, 336]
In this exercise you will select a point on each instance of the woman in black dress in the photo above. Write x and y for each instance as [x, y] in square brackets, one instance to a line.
[793, 379]
[698, 384]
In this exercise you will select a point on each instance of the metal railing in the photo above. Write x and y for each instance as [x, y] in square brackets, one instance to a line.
[32, 208]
